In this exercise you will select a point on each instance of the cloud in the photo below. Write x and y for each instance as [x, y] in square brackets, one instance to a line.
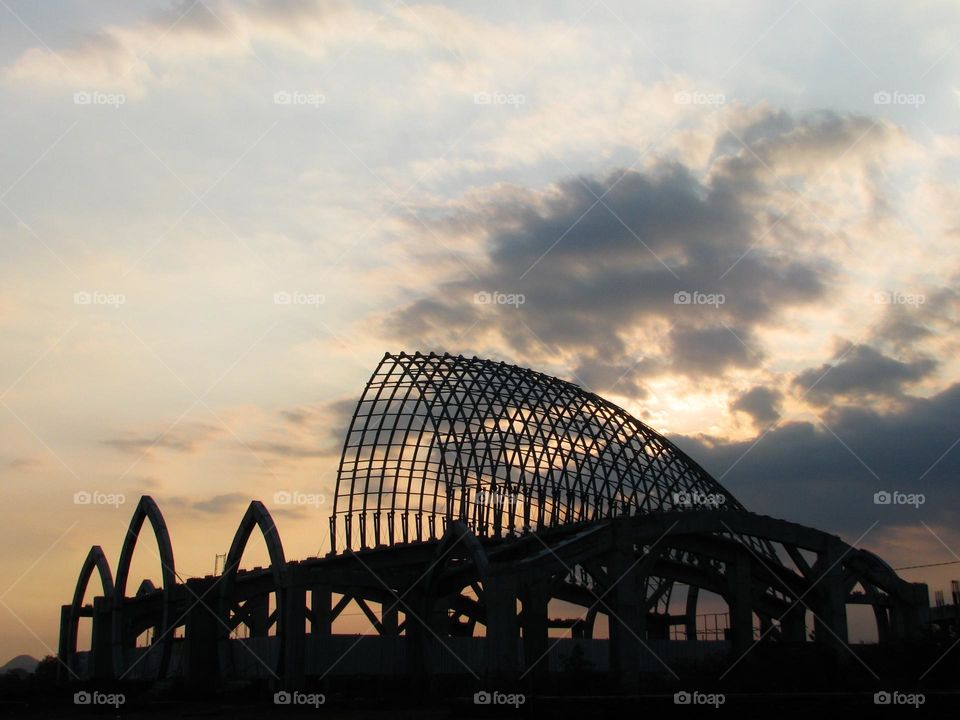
[761, 403]
[25, 463]
[861, 371]
[219, 504]
[186, 438]
[825, 474]
[670, 269]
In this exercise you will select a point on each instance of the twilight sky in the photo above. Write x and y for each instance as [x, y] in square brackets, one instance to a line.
[740, 221]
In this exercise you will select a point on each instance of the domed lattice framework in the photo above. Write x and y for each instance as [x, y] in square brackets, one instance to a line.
[505, 449]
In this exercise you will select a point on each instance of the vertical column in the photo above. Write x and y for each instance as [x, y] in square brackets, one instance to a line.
[535, 598]
[830, 622]
[793, 625]
[626, 607]
[201, 637]
[690, 619]
[321, 627]
[390, 617]
[63, 651]
[256, 610]
[294, 635]
[503, 628]
[101, 639]
[738, 599]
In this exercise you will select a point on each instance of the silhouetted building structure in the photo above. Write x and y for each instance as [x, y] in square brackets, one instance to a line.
[471, 494]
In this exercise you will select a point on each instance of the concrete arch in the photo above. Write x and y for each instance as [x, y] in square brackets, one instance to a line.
[95, 560]
[256, 516]
[147, 509]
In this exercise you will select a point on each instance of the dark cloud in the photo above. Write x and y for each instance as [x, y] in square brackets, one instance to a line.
[760, 403]
[600, 278]
[823, 474]
[861, 371]
[710, 351]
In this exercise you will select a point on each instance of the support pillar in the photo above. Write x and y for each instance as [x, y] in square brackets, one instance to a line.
[535, 598]
[626, 608]
[294, 628]
[830, 623]
[690, 620]
[503, 631]
[740, 604]
[201, 637]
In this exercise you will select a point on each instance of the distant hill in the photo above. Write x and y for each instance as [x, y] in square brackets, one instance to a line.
[23, 663]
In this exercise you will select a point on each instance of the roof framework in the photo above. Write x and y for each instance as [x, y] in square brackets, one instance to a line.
[504, 449]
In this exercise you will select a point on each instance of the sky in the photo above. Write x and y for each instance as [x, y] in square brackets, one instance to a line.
[739, 221]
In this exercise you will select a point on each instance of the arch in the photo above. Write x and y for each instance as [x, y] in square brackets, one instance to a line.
[95, 560]
[258, 516]
[147, 509]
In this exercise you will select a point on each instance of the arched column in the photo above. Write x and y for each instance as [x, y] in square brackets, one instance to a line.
[146, 509]
[100, 648]
[256, 516]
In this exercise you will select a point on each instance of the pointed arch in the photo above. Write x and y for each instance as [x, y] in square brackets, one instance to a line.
[147, 509]
[258, 516]
[95, 560]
